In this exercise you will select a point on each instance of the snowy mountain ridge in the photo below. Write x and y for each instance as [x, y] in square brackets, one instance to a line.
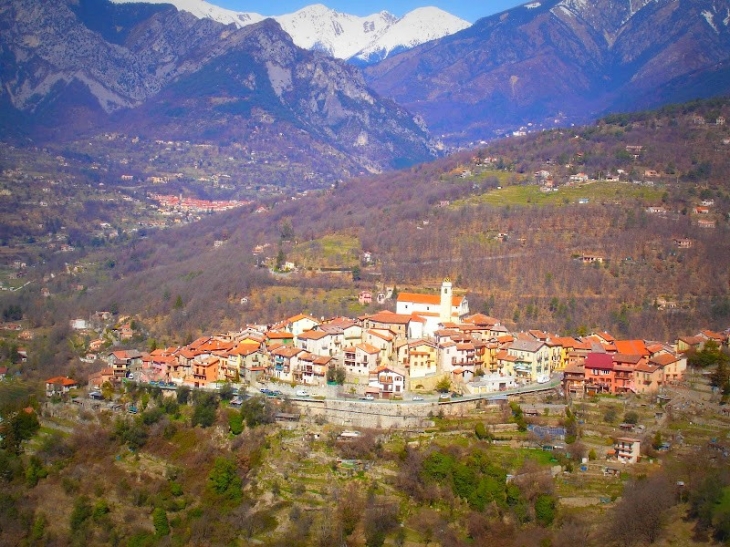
[366, 39]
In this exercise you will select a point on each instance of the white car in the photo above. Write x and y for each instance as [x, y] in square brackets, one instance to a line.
[417, 398]
[302, 393]
[367, 398]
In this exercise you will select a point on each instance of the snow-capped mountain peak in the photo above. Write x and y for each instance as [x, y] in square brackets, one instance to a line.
[416, 27]
[337, 34]
[317, 27]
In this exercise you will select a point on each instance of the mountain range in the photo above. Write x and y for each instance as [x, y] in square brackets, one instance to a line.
[556, 62]
[79, 68]
[363, 40]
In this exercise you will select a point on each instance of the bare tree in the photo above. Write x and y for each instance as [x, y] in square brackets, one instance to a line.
[640, 514]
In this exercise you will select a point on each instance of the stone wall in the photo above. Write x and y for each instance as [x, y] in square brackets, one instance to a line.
[384, 415]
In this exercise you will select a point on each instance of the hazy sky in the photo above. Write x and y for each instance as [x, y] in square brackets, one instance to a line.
[471, 10]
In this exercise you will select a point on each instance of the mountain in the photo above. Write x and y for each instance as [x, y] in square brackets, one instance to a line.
[82, 67]
[416, 27]
[364, 39]
[559, 62]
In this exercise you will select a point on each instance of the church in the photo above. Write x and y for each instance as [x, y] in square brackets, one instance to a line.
[435, 309]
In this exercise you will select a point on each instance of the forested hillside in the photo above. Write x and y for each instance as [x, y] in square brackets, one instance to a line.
[600, 227]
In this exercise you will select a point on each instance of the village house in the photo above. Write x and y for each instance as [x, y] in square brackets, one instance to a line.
[365, 298]
[672, 367]
[599, 373]
[315, 341]
[247, 362]
[59, 385]
[627, 450]
[311, 369]
[284, 361]
[99, 378]
[384, 340]
[420, 358]
[574, 377]
[96, 345]
[387, 321]
[647, 377]
[276, 338]
[124, 362]
[359, 360]
[351, 330]
[532, 359]
[690, 343]
[205, 372]
[389, 380]
[297, 324]
[578, 177]
[489, 383]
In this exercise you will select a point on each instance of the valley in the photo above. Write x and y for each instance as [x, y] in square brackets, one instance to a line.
[462, 286]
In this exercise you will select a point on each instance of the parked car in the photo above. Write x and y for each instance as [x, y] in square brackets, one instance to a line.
[302, 393]
[367, 398]
[417, 398]
[445, 397]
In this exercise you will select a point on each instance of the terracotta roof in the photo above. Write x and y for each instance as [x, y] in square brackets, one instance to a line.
[312, 335]
[631, 347]
[367, 348]
[575, 368]
[279, 335]
[646, 367]
[286, 351]
[664, 359]
[481, 320]
[692, 340]
[61, 380]
[623, 358]
[386, 316]
[301, 316]
[428, 299]
[388, 337]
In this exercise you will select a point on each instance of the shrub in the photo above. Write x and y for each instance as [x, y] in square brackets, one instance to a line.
[204, 413]
[235, 423]
[224, 479]
[81, 512]
[443, 385]
[159, 520]
[610, 415]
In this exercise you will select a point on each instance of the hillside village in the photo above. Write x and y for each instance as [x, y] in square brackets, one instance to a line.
[430, 343]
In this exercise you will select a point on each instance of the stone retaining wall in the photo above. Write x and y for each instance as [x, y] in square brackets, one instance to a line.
[383, 415]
